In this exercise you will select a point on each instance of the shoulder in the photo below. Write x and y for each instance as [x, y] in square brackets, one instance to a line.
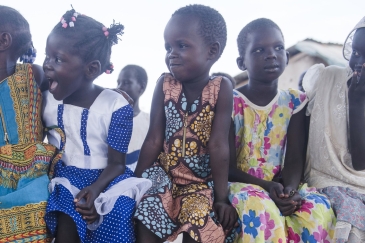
[109, 101]
[298, 99]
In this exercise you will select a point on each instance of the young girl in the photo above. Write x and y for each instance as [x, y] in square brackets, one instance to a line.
[93, 194]
[272, 204]
[188, 136]
[24, 159]
[337, 136]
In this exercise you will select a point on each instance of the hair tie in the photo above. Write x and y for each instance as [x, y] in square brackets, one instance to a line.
[29, 56]
[105, 30]
[69, 17]
[109, 68]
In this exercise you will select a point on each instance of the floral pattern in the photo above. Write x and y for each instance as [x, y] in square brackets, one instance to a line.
[181, 198]
[260, 145]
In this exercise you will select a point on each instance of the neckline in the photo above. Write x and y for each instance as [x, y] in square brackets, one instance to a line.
[247, 101]
[79, 107]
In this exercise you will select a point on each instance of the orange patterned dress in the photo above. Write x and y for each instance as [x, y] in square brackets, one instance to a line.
[181, 196]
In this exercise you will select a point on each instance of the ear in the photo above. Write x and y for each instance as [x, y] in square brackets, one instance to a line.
[143, 88]
[287, 58]
[214, 51]
[240, 63]
[5, 41]
[93, 70]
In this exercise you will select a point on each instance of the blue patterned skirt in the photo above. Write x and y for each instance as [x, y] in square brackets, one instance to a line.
[117, 226]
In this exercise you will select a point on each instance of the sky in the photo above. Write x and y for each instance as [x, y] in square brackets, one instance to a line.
[144, 20]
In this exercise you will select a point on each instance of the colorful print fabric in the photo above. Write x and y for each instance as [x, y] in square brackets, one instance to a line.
[260, 146]
[181, 196]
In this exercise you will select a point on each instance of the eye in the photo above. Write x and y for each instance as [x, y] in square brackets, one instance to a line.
[355, 53]
[58, 60]
[182, 45]
[279, 48]
[258, 50]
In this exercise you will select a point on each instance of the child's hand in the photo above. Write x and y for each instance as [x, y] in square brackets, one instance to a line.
[287, 206]
[84, 201]
[357, 88]
[226, 214]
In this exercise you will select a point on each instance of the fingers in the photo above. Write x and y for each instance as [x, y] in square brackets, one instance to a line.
[279, 191]
[82, 194]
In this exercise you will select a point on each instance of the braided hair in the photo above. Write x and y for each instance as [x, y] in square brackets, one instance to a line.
[212, 25]
[13, 22]
[92, 40]
[255, 25]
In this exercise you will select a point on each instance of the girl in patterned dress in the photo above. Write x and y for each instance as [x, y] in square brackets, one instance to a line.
[269, 128]
[186, 152]
[93, 194]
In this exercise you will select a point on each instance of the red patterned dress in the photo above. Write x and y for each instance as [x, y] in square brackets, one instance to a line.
[181, 196]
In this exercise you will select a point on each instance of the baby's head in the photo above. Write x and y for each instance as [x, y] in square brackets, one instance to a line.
[14, 27]
[354, 47]
[195, 38]
[133, 80]
[78, 50]
[261, 50]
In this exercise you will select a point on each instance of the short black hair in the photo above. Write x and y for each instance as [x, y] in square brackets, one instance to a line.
[140, 73]
[13, 22]
[212, 25]
[254, 25]
[233, 81]
[90, 40]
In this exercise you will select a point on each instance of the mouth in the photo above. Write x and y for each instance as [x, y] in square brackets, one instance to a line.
[172, 65]
[53, 84]
[271, 68]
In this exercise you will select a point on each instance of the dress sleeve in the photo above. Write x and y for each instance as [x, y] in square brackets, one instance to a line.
[298, 100]
[120, 129]
[310, 84]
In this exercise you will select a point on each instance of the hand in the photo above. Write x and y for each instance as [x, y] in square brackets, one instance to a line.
[226, 214]
[84, 201]
[357, 88]
[286, 205]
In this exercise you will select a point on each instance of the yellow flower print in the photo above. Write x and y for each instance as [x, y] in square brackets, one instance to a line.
[276, 135]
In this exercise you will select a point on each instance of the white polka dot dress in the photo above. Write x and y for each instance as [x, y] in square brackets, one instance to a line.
[89, 132]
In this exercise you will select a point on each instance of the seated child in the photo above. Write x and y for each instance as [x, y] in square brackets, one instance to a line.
[24, 158]
[186, 151]
[336, 147]
[93, 194]
[133, 80]
[269, 128]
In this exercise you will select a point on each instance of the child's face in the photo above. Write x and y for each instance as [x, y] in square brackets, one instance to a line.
[64, 70]
[358, 51]
[127, 81]
[265, 58]
[186, 52]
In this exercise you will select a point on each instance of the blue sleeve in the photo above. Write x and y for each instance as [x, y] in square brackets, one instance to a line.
[120, 129]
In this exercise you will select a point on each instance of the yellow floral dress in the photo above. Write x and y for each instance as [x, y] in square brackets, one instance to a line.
[181, 196]
[260, 150]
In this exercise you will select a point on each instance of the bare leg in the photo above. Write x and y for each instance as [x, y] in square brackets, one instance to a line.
[187, 238]
[145, 235]
[66, 230]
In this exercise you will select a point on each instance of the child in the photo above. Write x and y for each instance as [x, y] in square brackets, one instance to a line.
[188, 136]
[93, 194]
[133, 80]
[337, 136]
[24, 159]
[272, 204]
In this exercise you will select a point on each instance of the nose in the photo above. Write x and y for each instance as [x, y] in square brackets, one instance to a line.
[172, 54]
[270, 54]
[47, 65]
